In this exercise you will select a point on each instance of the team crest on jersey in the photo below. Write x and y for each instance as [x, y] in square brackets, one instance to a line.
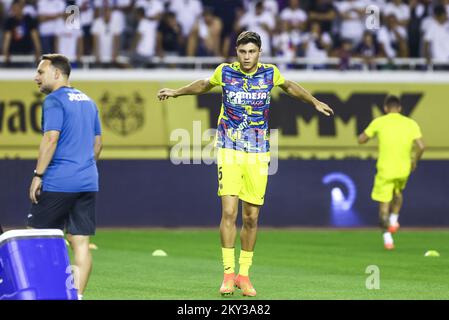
[123, 114]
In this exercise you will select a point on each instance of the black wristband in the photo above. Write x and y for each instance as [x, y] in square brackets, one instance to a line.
[38, 175]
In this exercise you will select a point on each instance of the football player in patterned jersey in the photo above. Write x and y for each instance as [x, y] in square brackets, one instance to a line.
[243, 147]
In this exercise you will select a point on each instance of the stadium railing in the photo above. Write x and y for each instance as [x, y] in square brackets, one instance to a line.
[198, 63]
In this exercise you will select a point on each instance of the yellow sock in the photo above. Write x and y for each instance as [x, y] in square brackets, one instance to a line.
[245, 261]
[228, 260]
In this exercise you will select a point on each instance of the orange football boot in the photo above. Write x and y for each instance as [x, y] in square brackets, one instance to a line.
[245, 285]
[227, 287]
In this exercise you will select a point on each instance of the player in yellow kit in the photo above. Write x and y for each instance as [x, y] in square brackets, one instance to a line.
[243, 147]
[397, 135]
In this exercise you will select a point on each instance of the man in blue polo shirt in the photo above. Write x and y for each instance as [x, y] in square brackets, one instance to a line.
[65, 181]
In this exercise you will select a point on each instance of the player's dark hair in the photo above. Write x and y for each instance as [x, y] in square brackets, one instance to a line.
[249, 37]
[392, 102]
[59, 61]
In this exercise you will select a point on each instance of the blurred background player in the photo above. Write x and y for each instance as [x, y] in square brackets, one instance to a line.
[65, 182]
[243, 147]
[397, 135]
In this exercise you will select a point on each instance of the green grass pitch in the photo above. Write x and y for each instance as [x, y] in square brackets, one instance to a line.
[288, 264]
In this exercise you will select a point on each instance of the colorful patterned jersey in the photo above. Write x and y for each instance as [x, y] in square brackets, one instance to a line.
[243, 121]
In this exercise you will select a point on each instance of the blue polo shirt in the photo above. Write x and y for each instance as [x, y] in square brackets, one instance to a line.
[73, 167]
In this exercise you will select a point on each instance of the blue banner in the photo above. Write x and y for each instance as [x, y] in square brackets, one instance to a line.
[318, 193]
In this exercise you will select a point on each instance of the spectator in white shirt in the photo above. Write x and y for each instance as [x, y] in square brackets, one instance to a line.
[118, 7]
[30, 7]
[352, 13]
[378, 3]
[187, 13]
[400, 10]
[204, 40]
[144, 43]
[317, 45]
[436, 39]
[106, 36]
[120, 10]
[261, 22]
[285, 42]
[50, 14]
[69, 42]
[427, 20]
[294, 15]
[154, 10]
[87, 11]
[5, 5]
[392, 39]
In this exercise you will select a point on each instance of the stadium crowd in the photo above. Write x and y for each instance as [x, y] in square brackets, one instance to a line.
[142, 29]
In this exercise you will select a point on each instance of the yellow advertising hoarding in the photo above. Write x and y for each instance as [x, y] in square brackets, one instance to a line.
[137, 126]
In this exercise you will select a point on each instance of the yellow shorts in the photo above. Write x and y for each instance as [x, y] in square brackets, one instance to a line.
[242, 174]
[384, 189]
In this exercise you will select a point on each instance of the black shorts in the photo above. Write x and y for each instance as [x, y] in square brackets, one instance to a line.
[72, 211]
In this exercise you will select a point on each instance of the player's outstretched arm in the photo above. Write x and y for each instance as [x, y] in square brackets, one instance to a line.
[363, 138]
[194, 88]
[295, 90]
